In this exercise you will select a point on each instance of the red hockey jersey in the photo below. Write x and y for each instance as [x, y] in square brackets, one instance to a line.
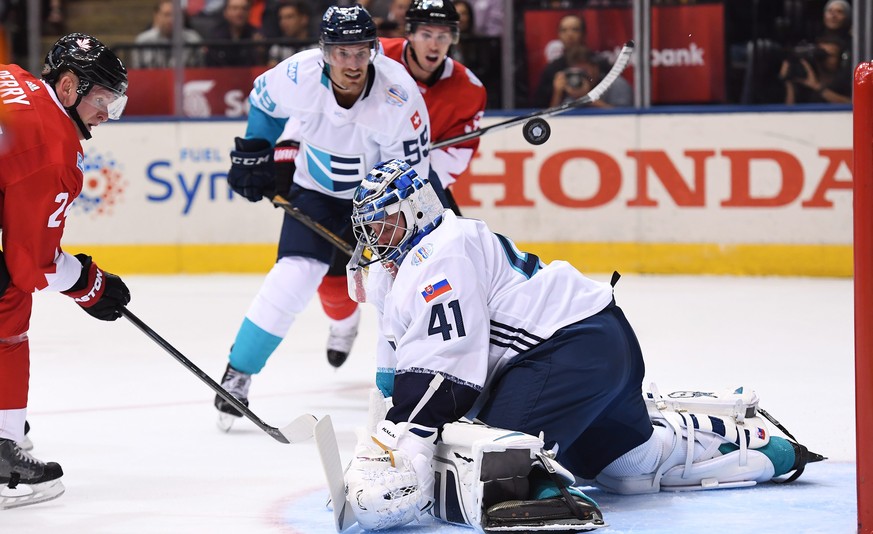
[41, 172]
[455, 103]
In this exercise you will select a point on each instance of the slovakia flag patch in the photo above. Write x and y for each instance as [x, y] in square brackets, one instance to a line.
[434, 290]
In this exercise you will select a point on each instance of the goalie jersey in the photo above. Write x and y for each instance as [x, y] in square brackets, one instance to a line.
[338, 146]
[464, 303]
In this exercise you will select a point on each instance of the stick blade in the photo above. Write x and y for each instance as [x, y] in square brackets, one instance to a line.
[299, 429]
[328, 450]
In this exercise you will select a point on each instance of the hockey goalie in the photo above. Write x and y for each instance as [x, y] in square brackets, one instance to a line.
[473, 328]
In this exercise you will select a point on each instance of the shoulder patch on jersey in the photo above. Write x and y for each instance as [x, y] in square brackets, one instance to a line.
[397, 95]
[80, 161]
[415, 120]
[422, 253]
[292, 71]
[473, 79]
[432, 291]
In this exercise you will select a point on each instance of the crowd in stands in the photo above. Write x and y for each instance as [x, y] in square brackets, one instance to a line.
[784, 51]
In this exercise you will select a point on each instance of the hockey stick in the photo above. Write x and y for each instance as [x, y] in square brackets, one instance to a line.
[594, 95]
[298, 430]
[328, 451]
[312, 224]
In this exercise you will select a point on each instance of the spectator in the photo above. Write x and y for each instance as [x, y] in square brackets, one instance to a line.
[571, 31]
[818, 73]
[581, 75]
[837, 19]
[396, 15]
[294, 17]
[467, 19]
[478, 54]
[161, 33]
[489, 17]
[234, 28]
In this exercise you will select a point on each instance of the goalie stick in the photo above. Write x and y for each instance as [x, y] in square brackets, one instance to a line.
[296, 431]
[594, 95]
[328, 451]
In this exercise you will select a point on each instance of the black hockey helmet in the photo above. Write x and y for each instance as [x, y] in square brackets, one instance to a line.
[89, 59]
[347, 25]
[434, 13]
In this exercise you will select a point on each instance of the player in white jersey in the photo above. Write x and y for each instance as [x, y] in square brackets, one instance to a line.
[354, 109]
[476, 328]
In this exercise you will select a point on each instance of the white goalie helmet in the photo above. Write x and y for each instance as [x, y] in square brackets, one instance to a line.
[393, 188]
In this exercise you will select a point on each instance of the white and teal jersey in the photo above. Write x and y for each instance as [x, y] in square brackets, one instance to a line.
[339, 146]
[465, 301]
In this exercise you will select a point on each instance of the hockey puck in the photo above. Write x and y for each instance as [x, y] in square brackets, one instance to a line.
[536, 131]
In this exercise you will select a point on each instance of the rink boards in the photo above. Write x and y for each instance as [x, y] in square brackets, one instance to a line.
[737, 193]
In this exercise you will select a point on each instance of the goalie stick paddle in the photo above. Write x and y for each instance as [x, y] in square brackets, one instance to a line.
[328, 450]
[312, 224]
[296, 431]
[594, 95]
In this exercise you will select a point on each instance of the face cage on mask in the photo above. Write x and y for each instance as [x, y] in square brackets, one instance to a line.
[368, 236]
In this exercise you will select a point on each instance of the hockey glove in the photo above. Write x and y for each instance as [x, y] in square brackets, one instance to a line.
[390, 481]
[284, 156]
[251, 171]
[99, 293]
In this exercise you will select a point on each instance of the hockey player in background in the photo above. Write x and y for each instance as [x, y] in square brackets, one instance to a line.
[455, 100]
[41, 172]
[354, 109]
[475, 328]
[454, 96]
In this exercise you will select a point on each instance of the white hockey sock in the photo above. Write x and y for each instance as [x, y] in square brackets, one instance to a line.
[644, 458]
[349, 322]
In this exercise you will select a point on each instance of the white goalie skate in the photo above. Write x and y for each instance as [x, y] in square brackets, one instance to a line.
[24, 480]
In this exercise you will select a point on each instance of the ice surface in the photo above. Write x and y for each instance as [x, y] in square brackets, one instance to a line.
[135, 431]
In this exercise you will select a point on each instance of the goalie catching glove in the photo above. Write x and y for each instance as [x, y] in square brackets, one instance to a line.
[390, 480]
[99, 293]
[252, 172]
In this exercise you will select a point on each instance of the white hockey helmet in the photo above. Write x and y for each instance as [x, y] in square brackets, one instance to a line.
[394, 187]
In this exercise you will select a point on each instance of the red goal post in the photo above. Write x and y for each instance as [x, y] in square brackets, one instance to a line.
[862, 101]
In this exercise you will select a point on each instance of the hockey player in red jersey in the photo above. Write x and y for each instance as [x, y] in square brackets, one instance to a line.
[455, 100]
[41, 172]
[454, 96]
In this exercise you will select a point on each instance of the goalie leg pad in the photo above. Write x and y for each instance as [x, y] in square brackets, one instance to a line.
[698, 452]
[484, 480]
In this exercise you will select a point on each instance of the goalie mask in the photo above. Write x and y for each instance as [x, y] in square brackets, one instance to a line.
[393, 209]
[102, 76]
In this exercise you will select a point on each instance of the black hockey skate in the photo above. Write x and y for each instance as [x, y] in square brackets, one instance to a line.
[339, 344]
[25, 480]
[26, 443]
[237, 384]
